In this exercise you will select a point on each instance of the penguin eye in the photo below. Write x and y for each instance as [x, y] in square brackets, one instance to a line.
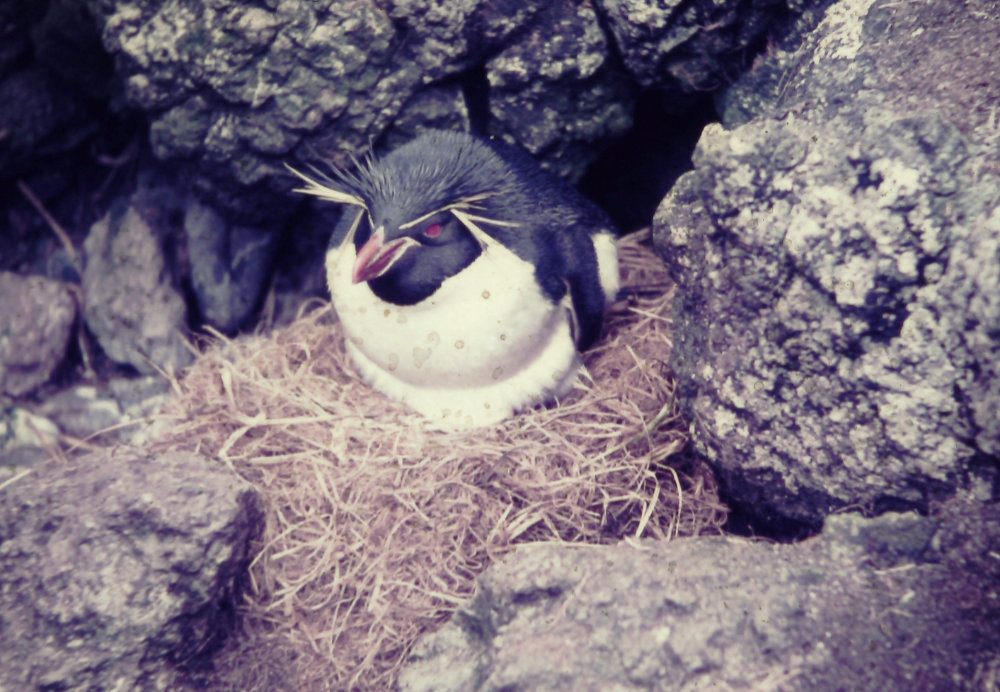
[434, 230]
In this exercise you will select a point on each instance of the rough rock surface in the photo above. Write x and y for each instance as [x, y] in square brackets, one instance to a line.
[557, 90]
[685, 47]
[36, 320]
[229, 265]
[131, 303]
[838, 257]
[240, 89]
[901, 602]
[81, 411]
[120, 570]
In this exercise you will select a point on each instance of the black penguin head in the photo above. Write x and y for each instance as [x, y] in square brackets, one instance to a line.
[405, 266]
[421, 205]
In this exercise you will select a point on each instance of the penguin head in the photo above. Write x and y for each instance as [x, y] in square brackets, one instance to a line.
[404, 264]
[419, 212]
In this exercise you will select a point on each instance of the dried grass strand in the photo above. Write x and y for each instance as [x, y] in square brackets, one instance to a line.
[376, 525]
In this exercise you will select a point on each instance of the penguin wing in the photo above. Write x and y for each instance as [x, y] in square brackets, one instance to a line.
[583, 276]
[570, 261]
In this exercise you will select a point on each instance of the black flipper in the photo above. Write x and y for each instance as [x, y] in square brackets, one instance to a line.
[571, 261]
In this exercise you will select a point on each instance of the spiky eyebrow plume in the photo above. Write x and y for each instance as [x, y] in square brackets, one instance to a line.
[466, 204]
[469, 221]
[324, 188]
[452, 182]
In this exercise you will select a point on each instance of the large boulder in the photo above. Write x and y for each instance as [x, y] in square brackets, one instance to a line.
[120, 570]
[838, 262]
[685, 47]
[901, 602]
[239, 90]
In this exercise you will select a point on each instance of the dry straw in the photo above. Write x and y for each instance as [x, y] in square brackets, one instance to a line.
[377, 525]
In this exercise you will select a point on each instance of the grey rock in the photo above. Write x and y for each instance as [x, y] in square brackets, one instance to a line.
[687, 47]
[837, 258]
[881, 55]
[140, 399]
[139, 396]
[249, 82]
[130, 301]
[36, 321]
[25, 439]
[438, 107]
[834, 612]
[81, 411]
[229, 265]
[557, 91]
[238, 90]
[120, 570]
[121, 411]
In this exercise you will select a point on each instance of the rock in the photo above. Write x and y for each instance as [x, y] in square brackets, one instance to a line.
[120, 570]
[877, 54]
[915, 608]
[139, 396]
[140, 399]
[229, 266]
[123, 410]
[261, 78]
[237, 91]
[688, 47]
[81, 411]
[433, 108]
[130, 301]
[36, 321]
[557, 91]
[25, 439]
[837, 259]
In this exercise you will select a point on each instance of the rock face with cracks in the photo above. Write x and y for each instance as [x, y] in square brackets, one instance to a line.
[838, 258]
[900, 602]
[120, 570]
[241, 89]
[684, 47]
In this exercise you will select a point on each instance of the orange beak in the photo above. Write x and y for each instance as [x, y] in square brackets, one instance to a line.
[376, 256]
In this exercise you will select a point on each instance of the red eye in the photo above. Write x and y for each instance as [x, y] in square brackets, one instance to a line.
[434, 230]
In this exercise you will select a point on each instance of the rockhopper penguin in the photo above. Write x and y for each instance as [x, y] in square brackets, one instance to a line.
[465, 276]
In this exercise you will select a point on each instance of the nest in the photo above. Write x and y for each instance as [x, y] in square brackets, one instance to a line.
[377, 525]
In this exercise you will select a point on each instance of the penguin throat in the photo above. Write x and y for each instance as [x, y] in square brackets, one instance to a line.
[419, 273]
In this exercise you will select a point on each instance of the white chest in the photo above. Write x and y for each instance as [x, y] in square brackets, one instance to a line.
[487, 342]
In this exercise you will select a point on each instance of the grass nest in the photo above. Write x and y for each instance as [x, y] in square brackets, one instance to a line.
[377, 525]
